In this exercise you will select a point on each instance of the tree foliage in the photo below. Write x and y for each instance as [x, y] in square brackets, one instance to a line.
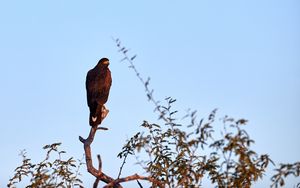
[52, 171]
[180, 154]
[283, 171]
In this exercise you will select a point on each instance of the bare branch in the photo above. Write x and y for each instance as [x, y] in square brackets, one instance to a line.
[100, 163]
[95, 185]
[100, 169]
[102, 128]
[100, 176]
[121, 168]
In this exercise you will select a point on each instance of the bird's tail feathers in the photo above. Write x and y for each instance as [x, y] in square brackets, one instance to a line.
[96, 117]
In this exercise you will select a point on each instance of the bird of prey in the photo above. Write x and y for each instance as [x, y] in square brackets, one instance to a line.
[98, 82]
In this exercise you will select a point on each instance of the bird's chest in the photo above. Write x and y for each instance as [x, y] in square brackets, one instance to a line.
[101, 80]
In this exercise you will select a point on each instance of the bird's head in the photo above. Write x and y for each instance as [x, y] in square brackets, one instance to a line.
[103, 62]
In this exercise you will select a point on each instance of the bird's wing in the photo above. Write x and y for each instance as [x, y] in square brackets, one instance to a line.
[106, 87]
[89, 87]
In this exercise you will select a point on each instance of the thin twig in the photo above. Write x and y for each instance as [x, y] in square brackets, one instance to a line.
[123, 163]
[77, 173]
[95, 185]
[149, 91]
[100, 169]
[139, 183]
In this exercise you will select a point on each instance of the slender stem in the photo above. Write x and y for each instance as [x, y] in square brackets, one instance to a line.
[149, 92]
[123, 163]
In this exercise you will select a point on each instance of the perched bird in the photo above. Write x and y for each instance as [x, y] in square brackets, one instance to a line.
[98, 82]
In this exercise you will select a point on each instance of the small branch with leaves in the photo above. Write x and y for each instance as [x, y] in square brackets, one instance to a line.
[53, 171]
[284, 170]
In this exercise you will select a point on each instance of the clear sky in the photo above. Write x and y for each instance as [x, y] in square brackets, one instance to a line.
[242, 57]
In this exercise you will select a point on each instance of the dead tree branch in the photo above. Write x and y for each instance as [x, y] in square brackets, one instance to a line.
[134, 177]
[100, 176]
[97, 173]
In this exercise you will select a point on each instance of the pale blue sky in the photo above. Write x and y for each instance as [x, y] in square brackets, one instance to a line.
[242, 57]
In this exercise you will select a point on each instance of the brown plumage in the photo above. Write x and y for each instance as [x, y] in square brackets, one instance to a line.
[98, 82]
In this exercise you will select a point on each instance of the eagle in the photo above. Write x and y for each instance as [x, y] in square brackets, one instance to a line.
[98, 82]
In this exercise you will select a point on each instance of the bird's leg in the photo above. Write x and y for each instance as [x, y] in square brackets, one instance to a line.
[104, 112]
